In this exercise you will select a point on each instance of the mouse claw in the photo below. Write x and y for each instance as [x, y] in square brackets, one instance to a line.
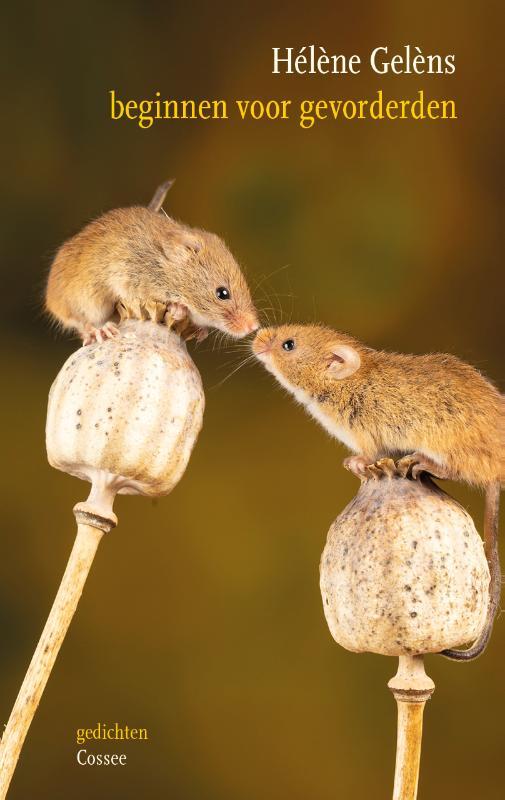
[108, 331]
[404, 465]
[415, 464]
[201, 334]
[155, 310]
[175, 312]
[151, 310]
[198, 334]
[358, 465]
[386, 466]
[129, 310]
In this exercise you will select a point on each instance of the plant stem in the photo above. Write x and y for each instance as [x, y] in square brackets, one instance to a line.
[83, 552]
[411, 688]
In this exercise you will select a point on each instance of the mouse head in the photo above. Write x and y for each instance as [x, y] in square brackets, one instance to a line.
[213, 286]
[308, 359]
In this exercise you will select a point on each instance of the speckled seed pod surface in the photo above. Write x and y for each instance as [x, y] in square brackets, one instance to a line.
[131, 406]
[404, 570]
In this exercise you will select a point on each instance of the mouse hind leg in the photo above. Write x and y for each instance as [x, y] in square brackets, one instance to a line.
[96, 323]
[153, 310]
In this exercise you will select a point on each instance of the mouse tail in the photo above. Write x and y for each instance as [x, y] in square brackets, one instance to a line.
[159, 195]
[493, 559]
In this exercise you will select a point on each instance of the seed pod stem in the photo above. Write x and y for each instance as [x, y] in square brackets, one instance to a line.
[411, 688]
[94, 518]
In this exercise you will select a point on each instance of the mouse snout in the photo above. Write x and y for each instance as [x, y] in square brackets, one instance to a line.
[241, 323]
[263, 342]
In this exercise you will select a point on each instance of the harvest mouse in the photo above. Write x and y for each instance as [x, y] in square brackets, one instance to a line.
[139, 262]
[439, 413]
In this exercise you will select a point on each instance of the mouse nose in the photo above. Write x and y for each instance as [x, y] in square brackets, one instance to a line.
[245, 323]
[263, 341]
[251, 322]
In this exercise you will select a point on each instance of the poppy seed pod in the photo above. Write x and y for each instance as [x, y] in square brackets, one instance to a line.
[123, 414]
[130, 407]
[404, 570]
[404, 573]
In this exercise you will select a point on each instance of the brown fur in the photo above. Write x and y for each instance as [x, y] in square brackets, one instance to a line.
[396, 404]
[134, 255]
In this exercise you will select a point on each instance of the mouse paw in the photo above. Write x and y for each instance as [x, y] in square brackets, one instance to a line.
[175, 313]
[91, 335]
[358, 465]
[198, 334]
[416, 463]
[201, 334]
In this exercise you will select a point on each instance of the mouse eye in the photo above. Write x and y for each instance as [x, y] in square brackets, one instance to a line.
[288, 345]
[223, 293]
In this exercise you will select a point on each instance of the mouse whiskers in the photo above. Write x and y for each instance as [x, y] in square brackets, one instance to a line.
[219, 340]
[272, 311]
[273, 304]
[270, 275]
[242, 363]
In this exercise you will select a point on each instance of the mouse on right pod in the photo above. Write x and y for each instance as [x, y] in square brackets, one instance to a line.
[434, 411]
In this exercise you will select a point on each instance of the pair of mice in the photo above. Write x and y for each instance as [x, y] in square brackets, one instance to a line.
[439, 413]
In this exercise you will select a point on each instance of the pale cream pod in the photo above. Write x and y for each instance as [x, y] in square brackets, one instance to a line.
[127, 411]
[124, 415]
[404, 573]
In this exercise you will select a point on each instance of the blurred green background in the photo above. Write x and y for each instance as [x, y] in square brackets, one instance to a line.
[202, 619]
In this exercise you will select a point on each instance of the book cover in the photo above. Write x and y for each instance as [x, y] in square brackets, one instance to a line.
[328, 164]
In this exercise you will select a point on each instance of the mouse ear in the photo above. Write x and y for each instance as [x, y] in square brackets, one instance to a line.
[345, 361]
[191, 243]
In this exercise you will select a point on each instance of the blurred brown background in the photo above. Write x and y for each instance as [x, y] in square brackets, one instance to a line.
[202, 619]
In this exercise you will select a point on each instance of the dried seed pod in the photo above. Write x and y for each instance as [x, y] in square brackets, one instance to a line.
[404, 573]
[131, 407]
[404, 570]
[124, 415]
